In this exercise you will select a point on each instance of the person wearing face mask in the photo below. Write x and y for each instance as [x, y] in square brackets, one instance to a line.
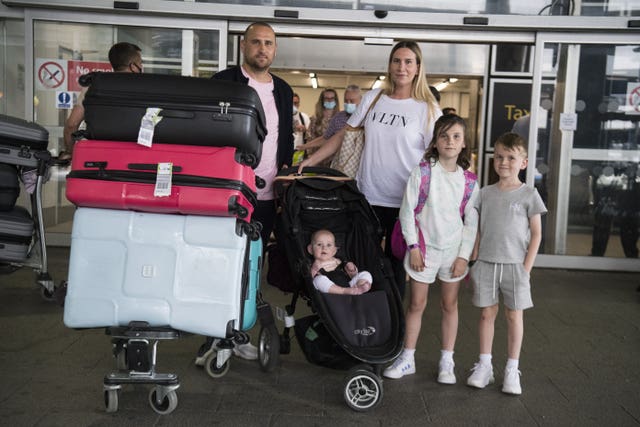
[352, 97]
[327, 107]
[301, 122]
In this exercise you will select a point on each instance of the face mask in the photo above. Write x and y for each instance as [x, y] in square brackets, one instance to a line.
[329, 105]
[295, 110]
[350, 108]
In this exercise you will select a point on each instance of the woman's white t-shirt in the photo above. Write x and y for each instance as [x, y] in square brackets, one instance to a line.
[397, 133]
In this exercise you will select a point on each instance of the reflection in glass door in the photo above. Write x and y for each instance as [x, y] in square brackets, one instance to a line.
[592, 149]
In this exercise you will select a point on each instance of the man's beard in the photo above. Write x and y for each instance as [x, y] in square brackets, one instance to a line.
[257, 65]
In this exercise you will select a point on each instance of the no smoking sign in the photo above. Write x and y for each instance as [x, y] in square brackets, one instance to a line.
[51, 74]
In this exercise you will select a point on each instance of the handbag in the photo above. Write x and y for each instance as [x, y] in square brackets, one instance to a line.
[348, 158]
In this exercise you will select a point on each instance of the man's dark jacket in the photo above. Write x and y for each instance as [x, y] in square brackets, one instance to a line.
[283, 96]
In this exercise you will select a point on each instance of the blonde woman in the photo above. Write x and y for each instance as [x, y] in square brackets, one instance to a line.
[398, 130]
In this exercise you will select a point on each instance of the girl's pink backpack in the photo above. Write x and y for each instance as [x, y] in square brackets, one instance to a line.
[398, 245]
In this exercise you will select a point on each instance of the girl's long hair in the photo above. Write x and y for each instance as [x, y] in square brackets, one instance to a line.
[442, 125]
[419, 88]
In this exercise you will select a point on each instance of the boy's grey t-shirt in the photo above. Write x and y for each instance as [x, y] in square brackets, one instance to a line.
[504, 222]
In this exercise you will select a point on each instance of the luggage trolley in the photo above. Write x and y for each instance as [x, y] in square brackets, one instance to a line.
[24, 145]
[135, 348]
[148, 277]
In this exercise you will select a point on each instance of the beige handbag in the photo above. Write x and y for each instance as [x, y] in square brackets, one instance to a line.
[347, 160]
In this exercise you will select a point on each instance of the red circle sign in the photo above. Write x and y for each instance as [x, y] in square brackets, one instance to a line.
[51, 75]
[634, 98]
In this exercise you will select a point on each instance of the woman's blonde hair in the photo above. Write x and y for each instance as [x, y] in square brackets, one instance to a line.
[419, 87]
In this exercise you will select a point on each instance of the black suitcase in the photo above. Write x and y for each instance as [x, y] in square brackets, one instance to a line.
[21, 141]
[195, 111]
[9, 186]
[16, 232]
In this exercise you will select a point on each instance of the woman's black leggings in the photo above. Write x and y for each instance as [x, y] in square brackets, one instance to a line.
[387, 218]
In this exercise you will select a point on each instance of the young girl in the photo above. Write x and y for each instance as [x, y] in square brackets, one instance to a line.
[448, 240]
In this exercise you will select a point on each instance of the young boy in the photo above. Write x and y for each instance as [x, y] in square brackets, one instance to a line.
[327, 277]
[509, 236]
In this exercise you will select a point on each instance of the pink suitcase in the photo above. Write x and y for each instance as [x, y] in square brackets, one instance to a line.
[122, 175]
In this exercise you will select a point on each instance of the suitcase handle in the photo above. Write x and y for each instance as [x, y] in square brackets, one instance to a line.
[149, 167]
[177, 114]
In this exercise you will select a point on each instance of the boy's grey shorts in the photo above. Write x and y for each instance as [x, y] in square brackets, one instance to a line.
[511, 280]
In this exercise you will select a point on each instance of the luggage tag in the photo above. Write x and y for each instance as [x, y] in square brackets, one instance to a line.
[163, 180]
[147, 126]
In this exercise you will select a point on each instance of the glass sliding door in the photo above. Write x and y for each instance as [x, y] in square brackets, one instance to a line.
[588, 126]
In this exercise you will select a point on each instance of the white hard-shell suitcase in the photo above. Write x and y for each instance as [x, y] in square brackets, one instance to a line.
[182, 271]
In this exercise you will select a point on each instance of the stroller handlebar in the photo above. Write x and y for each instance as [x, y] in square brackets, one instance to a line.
[313, 172]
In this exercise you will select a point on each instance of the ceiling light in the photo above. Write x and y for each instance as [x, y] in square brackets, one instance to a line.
[378, 82]
[440, 86]
[314, 80]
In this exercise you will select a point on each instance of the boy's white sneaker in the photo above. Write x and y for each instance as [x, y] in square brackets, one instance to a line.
[445, 372]
[481, 375]
[511, 384]
[400, 368]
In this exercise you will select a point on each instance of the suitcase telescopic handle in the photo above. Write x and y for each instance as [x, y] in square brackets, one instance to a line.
[150, 167]
[177, 114]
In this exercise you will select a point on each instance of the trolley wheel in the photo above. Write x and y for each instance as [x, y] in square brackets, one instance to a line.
[268, 348]
[111, 400]
[46, 294]
[212, 368]
[168, 404]
[362, 390]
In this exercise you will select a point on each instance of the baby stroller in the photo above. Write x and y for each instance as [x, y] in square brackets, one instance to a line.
[359, 333]
[24, 157]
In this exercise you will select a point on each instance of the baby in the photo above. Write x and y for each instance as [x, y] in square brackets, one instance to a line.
[330, 274]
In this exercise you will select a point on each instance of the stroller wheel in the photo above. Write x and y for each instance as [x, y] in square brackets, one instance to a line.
[362, 390]
[268, 348]
[212, 368]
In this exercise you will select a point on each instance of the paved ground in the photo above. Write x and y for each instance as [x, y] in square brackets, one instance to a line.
[580, 367]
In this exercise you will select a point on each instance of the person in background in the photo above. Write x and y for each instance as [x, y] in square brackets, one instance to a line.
[509, 236]
[352, 98]
[398, 129]
[124, 58]
[327, 107]
[301, 122]
[258, 46]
